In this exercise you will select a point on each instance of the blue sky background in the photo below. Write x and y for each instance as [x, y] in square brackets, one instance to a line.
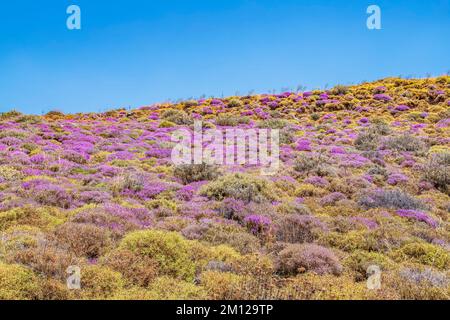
[137, 52]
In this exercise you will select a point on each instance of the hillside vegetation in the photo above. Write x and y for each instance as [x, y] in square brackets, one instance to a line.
[364, 181]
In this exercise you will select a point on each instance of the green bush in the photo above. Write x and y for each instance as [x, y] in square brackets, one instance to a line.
[9, 114]
[311, 286]
[39, 217]
[189, 173]
[169, 250]
[242, 241]
[423, 253]
[166, 124]
[99, 282]
[235, 103]
[176, 116]
[17, 283]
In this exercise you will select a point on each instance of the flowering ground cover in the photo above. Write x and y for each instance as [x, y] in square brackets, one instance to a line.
[364, 181]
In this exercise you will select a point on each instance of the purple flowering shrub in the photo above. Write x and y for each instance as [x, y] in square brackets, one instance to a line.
[48, 193]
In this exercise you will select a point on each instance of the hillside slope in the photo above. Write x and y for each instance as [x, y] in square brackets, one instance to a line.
[363, 189]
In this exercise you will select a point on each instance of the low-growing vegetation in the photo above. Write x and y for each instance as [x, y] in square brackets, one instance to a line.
[363, 185]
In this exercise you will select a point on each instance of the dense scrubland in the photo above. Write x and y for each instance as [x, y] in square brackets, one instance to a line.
[364, 180]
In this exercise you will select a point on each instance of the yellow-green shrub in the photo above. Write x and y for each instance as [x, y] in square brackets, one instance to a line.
[358, 262]
[221, 285]
[308, 190]
[240, 186]
[411, 289]
[423, 253]
[44, 217]
[99, 282]
[167, 288]
[17, 283]
[9, 173]
[51, 289]
[166, 124]
[349, 242]
[133, 293]
[326, 287]
[232, 236]
[169, 249]
[18, 238]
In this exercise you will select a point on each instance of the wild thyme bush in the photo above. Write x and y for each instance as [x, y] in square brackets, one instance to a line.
[98, 282]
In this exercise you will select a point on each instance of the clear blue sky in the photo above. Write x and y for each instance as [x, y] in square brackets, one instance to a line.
[138, 52]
